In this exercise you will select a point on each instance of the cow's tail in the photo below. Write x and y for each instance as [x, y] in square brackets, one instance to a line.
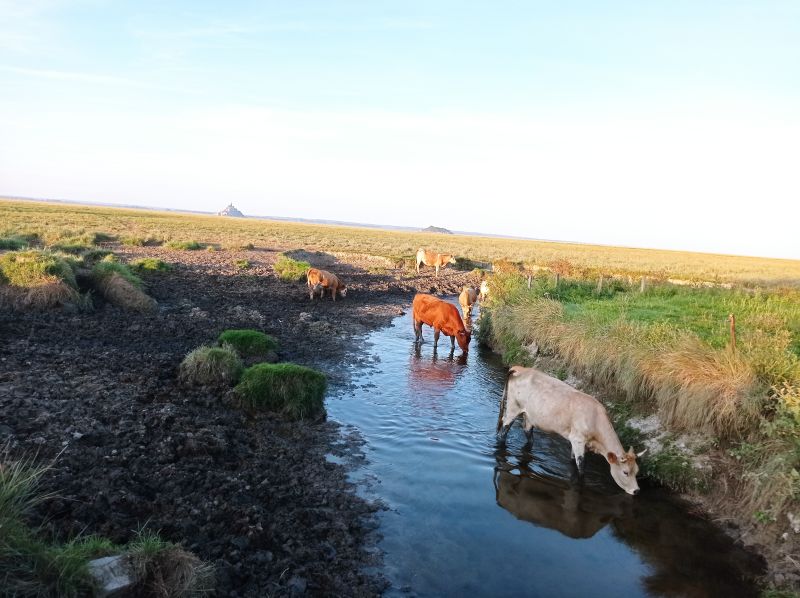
[503, 403]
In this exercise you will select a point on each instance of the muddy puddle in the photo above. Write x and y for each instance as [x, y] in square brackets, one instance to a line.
[467, 516]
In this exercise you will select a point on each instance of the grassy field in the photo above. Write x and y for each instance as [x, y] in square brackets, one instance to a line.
[55, 223]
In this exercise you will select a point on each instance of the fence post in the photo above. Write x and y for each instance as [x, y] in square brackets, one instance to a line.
[529, 281]
[732, 321]
[600, 284]
[643, 285]
[558, 279]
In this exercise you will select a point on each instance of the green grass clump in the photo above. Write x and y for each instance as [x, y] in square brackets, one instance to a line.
[293, 390]
[291, 270]
[142, 241]
[34, 267]
[186, 245]
[150, 264]
[13, 243]
[211, 366]
[242, 264]
[248, 343]
[104, 269]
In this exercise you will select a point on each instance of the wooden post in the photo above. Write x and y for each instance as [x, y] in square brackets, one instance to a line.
[732, 321]
[643, 285]
[600, 284]
[529, 281]
[558, 279]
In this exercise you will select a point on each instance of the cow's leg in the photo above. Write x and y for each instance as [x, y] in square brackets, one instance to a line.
[437, 269]
[418, 332]
[578, 450]
[311, 292]
[435, 338]
[333, 292]
[512, 412]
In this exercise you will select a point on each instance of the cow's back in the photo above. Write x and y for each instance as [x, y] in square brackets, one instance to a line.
[552, 405]
[435, 312]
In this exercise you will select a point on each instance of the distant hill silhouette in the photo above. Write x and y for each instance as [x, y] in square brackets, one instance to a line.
[231, 211]
[437, 229]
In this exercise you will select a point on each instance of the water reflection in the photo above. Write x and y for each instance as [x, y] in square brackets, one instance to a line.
[688, 554]
[565, 506]
[436, 373]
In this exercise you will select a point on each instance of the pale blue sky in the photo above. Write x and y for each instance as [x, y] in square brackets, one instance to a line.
[671, 124]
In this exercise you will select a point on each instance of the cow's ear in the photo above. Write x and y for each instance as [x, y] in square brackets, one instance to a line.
[612, 458]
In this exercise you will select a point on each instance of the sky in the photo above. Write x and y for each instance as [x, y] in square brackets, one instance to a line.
[669, 125]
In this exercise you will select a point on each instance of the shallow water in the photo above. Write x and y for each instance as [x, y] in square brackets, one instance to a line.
[468, 516]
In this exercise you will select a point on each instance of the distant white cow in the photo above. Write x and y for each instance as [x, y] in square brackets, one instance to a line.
[551, 405]
[484, 292]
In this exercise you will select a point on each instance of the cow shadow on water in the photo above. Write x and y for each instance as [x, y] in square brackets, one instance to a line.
[687, 554]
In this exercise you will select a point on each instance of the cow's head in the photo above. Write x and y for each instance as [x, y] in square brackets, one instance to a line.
[463, 337]
[343, 291]
[624, 469]
[452, 260]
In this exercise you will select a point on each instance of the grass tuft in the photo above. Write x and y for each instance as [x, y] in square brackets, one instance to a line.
[150, 264]
[185, 245]
[294, 390]
[120, 286]
[34, 267]
[142, 241]
[291, 270]
[242, 264]
[13, 243]
[211, 366]
[164, 569]
[248, 343]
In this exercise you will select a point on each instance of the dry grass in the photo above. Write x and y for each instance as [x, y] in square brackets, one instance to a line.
[49, 219]
[122, 293]
[692, 385]
[165, 570]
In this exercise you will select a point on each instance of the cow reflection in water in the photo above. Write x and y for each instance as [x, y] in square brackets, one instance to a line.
[434, 374]
[574, 510]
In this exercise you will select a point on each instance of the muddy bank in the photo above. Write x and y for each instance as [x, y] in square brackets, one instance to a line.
[256, 496]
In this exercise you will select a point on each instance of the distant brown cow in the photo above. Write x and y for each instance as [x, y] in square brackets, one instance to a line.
[437, 260]
[442, 317]
[321, 280]
[467, 299]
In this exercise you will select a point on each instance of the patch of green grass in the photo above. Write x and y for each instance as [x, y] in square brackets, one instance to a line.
[185, 245]
[291, 270]
[211, 366]
[248, 343]
[142, 241]
[105, 268]
[34, 267]
[293, 390]
[242, 264]
[13, 243]
[150, 264]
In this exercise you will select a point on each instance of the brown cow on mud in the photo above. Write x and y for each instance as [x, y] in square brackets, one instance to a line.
[551, 405]
[437, 260]
[442, 317]
[320, 280]
[467, 299]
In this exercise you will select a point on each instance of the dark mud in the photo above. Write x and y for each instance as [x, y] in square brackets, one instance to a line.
[98, 394]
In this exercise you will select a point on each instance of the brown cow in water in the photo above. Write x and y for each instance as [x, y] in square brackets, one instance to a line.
[320, 280]
[437, 260]
[442, 317]
[467, 299]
